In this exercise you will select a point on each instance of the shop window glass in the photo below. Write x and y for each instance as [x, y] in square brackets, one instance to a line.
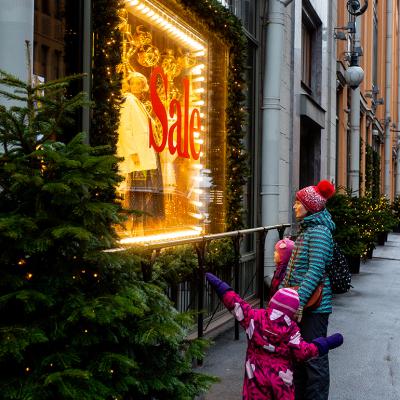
[173, 167]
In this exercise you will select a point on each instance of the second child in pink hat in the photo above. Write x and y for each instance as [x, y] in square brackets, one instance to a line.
[282, 253]
[274, 341]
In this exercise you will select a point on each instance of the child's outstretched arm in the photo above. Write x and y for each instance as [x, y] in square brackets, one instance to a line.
[325, 344]
[303, 351]
[240, 309]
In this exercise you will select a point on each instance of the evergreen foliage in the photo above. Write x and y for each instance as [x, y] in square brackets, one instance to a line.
[347, 219]
[106, 90]
[384, 218]
[359, 220]
[75, 321]
[368, 167]
[372, 172]
[396, 209]
[376, 175]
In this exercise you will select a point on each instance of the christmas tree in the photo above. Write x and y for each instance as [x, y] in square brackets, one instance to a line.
[76, 321]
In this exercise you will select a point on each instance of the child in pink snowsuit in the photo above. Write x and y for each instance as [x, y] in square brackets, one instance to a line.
[282, 253]
[274, 342]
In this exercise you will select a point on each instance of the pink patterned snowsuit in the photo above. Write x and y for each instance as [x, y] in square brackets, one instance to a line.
[274, 341]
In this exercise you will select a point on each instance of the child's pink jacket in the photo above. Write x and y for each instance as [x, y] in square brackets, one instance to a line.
[274, 342]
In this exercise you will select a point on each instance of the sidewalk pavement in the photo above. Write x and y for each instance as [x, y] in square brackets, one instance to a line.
[367, 366]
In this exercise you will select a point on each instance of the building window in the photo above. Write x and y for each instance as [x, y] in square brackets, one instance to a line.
[306, 54]
[44, 51]
[311, 51]
[56, 64]
[245, 10]
[58, 9]
[45, 7]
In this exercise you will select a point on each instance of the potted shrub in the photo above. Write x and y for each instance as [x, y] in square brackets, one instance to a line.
[363, 209]
[385, 220]
[396, 213]
[346, 216]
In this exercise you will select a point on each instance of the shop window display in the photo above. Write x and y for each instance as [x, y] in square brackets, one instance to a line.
[172, 181]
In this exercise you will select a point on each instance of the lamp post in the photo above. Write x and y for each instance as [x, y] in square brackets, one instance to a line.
[354, 76]
[388, 95]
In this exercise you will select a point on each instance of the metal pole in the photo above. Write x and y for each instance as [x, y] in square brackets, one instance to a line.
[271, 114]
[236, 266]
[388, 94]
[354, 172]
[397, 182]
[200, 250]
[260, 265]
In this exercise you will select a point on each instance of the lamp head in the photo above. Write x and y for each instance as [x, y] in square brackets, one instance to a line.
[354, 75]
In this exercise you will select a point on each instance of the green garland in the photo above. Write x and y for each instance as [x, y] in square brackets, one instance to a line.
[106, 91]
[107, 54]
[368, 167]
[376, 176]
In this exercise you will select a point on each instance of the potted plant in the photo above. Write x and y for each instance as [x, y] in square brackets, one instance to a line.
[385, 220]
[367, 222]
[396, 213]
[348, 235]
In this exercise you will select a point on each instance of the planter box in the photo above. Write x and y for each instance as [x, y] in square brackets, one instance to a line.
[354, 263]
[382, 238]
[370, 253]
[396, 229]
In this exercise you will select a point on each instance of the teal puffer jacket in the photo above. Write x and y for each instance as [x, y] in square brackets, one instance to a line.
[311, 254]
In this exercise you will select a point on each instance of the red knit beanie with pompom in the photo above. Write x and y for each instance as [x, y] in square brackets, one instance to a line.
[314, 198]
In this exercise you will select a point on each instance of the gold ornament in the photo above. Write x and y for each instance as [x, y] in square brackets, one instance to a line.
[142, 37]
[170, 65]
[148, 55]
[186, 61]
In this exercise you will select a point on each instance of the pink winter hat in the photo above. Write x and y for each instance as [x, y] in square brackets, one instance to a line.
[284, 248]
[285, 300]
[314, 198]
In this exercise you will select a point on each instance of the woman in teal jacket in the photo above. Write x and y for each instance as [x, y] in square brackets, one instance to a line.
[307, 269]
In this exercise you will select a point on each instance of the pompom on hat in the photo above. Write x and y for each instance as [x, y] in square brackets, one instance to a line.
[314, 198]
[285, 300]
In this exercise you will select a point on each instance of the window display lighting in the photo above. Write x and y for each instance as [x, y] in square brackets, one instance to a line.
[159, 18]
[195, 65]
[196, 231]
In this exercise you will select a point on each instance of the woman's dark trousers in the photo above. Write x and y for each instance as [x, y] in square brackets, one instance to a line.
[311, 378]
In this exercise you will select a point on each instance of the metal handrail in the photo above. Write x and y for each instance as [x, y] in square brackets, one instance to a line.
[200, 245]
[199, 239]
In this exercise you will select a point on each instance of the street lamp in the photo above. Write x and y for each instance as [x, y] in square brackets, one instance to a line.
[354, 7]
[354, 74]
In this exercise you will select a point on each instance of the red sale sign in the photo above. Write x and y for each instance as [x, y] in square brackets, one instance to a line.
[180, 134]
